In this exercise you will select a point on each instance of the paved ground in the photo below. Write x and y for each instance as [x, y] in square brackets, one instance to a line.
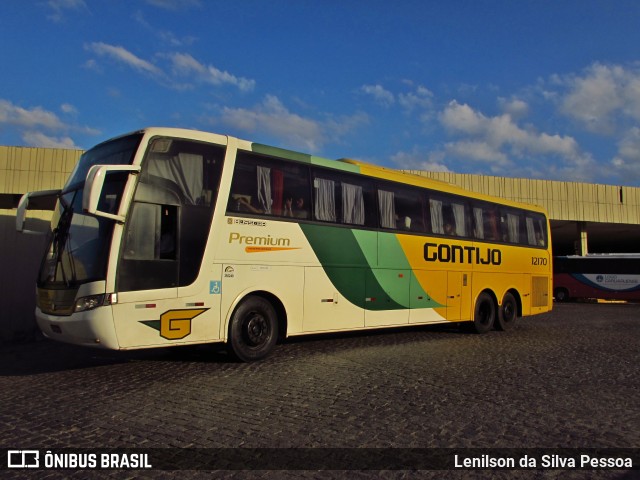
[568, 379]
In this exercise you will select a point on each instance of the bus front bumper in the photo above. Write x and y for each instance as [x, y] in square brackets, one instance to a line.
[93, 328]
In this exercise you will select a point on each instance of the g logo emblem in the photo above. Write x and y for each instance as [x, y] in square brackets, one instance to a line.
[175, 324]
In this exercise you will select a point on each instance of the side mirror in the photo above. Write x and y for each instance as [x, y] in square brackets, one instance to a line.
[23, 205]
[93, 188]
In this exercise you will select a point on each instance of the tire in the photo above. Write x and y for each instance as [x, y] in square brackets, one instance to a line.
[253, 329]
[484, 314]
[507, 313]
[561, 295]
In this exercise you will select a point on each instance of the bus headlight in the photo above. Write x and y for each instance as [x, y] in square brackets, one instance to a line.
[88, 303]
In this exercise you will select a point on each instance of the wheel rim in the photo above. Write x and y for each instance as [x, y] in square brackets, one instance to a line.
[508, 312]
[256, 329]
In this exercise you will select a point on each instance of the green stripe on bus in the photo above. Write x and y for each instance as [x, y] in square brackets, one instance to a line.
[280, 152]
[341, 258]
[350, 259]
[392, 254]
[303, 157]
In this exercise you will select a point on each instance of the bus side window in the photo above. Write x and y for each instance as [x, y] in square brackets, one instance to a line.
[535, 230]
[401, 208]
[295, 201]
[244, 186]
[484, 220]
[295, 206]
[264, 185]
[511, 226]
[478, 222]
[343, 198]
[448, 215]
[152, 232]
[324, 204]
[149, 258]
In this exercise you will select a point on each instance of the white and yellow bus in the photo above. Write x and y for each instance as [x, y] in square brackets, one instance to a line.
[170, 237]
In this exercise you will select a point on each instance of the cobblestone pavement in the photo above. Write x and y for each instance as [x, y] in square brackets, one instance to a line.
[569, 378]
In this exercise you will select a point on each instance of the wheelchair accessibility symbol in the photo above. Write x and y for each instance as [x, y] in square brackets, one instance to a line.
[215, 287]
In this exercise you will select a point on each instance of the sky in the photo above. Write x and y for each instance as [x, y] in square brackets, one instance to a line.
[517, 88]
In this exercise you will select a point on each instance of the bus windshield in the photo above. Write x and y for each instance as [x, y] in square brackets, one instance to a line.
[119, 151]
[78, 243]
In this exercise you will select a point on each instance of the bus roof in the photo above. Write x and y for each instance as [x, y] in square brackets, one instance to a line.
[344, 164]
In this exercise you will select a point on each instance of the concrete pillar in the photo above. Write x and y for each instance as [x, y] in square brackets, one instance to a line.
[583, 247]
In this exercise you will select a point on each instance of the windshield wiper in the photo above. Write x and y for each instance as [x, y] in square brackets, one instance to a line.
[60, 240]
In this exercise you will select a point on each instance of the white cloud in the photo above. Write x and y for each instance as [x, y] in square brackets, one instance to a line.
[380, 94]
[338, 127]
[174, 4]
[167, 36]
[419, 98]
[462, 118]
[122, 55]
[171, 39]
[91, 64]
[184, 65]
[30, 123]
[68, 109]
[183, 72]
[593, 98]
[59, 7]
[422, 98]
[24, 117]
[478, 151]
[501, 131]
[603, 98]
[39, 139]
[417, 159]
[273, 118]
[516, 108]
[629, 146]
[627, 160]
[499, 140]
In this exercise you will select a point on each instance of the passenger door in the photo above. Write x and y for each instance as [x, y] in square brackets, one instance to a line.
[458, 296]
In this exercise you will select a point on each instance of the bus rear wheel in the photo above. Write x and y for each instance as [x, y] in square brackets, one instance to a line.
[507, 313]
[253, 330]
[484, 314]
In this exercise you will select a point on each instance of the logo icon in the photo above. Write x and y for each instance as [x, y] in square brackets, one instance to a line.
[23, 459]
[175, 324]
[215, 287]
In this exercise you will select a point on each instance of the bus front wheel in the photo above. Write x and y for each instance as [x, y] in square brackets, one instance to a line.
[561, 295]
[507, 313]
[253, 330]
[484, 314]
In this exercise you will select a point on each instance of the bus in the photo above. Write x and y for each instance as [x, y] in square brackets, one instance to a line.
[168, 237]
[614, 276]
